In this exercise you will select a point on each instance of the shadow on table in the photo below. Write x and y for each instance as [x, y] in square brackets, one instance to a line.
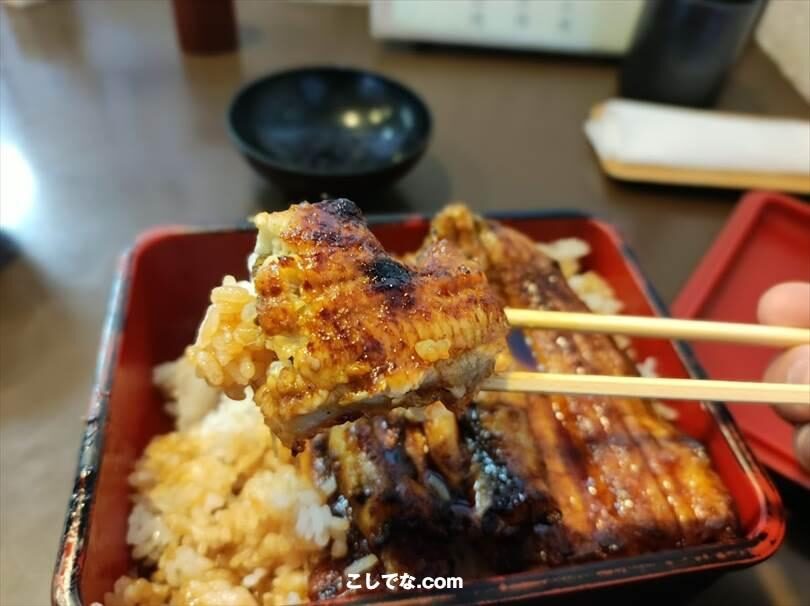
[797, 511]
[424, 190]
[49, 342]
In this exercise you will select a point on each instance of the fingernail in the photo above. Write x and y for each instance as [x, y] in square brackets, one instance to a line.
[799, 372]
[802, 441]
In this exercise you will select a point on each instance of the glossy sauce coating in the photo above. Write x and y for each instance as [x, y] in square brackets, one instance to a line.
[357, 331]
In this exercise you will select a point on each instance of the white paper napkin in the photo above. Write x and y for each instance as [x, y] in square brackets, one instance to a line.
[635, 132]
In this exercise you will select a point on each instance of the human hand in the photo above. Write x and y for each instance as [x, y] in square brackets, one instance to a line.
[788, 304]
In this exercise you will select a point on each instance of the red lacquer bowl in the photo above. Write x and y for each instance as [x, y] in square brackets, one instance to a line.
[161, 293]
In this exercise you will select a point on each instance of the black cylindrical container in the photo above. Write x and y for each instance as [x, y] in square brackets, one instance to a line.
[684, 49]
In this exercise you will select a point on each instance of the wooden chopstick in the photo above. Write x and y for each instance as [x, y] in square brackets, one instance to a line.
[668, 328]
[658, 388]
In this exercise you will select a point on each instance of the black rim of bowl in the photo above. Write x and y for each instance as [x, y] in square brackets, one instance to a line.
[257, 154]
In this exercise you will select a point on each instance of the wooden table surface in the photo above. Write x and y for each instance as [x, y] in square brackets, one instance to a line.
[112, 130]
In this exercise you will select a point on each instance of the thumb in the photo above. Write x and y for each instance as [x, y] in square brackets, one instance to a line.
[802, 444]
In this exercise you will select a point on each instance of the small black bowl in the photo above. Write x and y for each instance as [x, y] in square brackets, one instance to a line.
[329, 130]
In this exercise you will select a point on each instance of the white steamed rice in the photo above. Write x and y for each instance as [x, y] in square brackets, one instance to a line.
[223, 515]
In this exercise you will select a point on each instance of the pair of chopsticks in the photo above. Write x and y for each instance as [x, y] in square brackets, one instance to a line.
[659, 388]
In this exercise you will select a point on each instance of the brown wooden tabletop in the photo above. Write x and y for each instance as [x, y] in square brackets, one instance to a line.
[121, 132]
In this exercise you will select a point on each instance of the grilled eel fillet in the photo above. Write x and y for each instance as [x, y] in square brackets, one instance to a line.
[440, 475]
[623, 480]
[626, 480]
[422, 488]
[356, 331]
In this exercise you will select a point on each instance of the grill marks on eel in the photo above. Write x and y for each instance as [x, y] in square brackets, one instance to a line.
[357, 332]
[455, 481]
[626, 480]
[393, 279]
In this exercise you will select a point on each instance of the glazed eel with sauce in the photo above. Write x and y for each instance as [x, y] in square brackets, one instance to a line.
[517, 480]
[432, 494]
[355, 331]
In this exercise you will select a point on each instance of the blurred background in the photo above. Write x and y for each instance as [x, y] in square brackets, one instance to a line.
[114, 117]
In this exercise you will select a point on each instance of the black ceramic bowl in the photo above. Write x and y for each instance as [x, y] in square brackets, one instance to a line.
[329, 130]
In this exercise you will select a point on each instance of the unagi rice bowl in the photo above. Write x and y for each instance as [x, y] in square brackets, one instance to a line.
[223, 514]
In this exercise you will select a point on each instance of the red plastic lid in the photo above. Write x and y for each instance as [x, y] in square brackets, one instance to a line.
[766, 241]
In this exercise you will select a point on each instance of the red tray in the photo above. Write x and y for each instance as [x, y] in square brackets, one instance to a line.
[766, 241]
[161, 293]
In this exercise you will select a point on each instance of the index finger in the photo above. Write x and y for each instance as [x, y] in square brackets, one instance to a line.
[786, 304]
